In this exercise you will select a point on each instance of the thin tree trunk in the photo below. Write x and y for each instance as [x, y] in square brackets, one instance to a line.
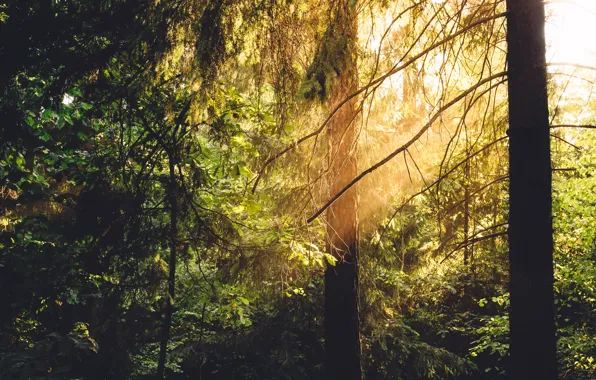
[532, 325]
[167, 323]
[467, 248]
[342, 323]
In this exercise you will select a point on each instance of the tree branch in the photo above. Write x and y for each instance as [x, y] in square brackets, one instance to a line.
[573, 126]
[409, 143]
[469, 242]
[472, 195]
[437, 181]
[572, 65]
[394, 70]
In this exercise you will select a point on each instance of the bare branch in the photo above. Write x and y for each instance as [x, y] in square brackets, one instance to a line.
[437, 181]
[472, 195]
[572, 65]
[409, 143]
[469, 242]
[394, 70]
[573, 126]
[579, 149]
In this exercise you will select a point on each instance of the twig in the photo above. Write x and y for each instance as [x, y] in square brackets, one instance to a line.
[379, 80]
[407, 144]
[469, 242]
[436, 182]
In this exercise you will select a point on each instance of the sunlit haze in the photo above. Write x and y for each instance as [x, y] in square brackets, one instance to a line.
[571, 31]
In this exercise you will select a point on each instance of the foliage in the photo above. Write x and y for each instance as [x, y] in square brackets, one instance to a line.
[110, 110]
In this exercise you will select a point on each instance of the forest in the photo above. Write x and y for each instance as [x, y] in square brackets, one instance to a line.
[297, 189]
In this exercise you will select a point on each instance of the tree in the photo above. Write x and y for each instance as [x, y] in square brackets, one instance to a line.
[342, 323]
[172, 154]
[532, 326]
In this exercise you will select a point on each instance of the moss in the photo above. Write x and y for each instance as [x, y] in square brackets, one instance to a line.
[334, 56]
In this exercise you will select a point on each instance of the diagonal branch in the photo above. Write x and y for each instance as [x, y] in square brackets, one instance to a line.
[437, 181]
[394, 70]
[472, 195]
[409, 143]
[469, 242]
[573, 126]
[576, 65]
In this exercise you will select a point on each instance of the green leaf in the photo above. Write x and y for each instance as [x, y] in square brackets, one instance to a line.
[20, 160]
[243, 300]
[68, 119]
[47, 115]
[244, 170]
[330, 259]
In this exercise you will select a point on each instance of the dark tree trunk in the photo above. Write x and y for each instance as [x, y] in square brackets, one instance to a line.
[167, 323]
[468, 247]
[532, 325]
[342, 323]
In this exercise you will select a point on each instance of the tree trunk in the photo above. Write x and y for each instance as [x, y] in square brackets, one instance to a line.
[342, 323]
[467, 181]
[167, 324]
[532, 325]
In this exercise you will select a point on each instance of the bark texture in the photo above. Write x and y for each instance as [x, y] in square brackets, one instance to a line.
[532, 325]
[342, 324]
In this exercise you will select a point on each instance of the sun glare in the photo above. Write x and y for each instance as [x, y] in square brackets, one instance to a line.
[571, 31]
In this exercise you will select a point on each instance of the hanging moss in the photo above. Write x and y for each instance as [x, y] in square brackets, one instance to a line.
[211, 41]
[334, 56]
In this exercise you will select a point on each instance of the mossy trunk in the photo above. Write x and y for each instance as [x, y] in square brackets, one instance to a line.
[342, 323]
